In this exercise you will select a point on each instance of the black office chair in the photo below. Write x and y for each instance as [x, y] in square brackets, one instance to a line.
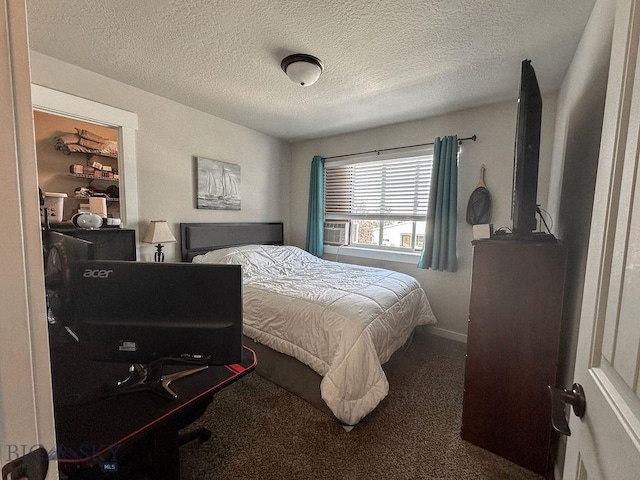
[201, 434]
[32, 466]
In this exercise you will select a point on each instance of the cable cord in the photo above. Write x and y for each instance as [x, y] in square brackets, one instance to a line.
[539, 211]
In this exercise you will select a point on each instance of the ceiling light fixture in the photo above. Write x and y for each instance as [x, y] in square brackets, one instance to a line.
[302, 69]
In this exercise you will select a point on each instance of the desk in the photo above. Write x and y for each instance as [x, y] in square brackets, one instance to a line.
[106, 433]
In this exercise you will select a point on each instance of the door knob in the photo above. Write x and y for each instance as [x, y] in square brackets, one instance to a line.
[560, 397]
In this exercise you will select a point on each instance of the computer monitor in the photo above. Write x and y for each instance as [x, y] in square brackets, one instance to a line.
[145, 312]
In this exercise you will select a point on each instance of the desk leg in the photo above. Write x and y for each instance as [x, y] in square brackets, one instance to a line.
[165, 454]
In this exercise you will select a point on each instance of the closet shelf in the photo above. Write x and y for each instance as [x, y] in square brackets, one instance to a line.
[92, 177]
[108, 199]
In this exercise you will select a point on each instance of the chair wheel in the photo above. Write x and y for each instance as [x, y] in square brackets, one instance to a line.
[205, 435]
[201, 434]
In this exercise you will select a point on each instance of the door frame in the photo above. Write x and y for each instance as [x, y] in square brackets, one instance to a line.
[26, 399]
[62, 104]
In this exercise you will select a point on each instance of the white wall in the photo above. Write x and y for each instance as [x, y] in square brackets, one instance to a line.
[495, 127]
[573, 172]
[169, 136]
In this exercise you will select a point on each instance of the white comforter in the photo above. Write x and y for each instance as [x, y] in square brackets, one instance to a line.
[341, 320]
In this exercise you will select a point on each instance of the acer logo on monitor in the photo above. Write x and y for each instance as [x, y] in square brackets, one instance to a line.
[97, 273]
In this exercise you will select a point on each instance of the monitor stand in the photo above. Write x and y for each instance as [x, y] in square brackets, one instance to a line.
[149, 378]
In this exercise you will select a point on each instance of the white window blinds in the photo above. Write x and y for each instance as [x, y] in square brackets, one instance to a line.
[396, 188]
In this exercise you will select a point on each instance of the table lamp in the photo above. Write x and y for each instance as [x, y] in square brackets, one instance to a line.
[158, 233]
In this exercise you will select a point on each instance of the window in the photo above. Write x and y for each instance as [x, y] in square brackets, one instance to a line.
[384, 200]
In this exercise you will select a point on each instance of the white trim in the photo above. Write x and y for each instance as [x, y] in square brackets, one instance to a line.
[374, 253]
[451, 335]
[63, 104]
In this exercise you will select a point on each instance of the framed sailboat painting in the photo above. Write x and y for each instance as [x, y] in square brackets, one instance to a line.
[218, 184]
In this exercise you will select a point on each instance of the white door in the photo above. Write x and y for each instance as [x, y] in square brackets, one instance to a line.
[605, 443]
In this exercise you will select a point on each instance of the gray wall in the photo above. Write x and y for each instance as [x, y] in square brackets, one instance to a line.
[495, 126]
[169, 136]
[575, 161]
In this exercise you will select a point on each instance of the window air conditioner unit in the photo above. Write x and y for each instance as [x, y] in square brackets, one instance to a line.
[336, 233]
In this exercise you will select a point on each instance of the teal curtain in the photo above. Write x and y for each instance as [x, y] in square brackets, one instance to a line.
[439, 250]
[315, 218]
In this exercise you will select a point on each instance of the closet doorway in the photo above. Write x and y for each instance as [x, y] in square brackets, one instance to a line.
[85, 112]
[70, 172]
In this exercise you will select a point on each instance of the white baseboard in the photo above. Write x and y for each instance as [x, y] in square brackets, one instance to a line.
[441, 332]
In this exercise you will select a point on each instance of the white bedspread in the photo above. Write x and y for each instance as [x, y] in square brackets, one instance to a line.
[341, 320]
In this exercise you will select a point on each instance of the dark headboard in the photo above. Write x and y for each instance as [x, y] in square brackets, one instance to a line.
[199, 238]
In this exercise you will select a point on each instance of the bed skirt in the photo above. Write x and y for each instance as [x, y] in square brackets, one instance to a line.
[299, 379]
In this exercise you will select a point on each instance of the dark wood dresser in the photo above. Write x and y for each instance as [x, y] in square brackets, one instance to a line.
[512, 349]
[109, 243]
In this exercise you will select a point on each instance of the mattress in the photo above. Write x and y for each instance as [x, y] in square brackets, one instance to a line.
[343, 321]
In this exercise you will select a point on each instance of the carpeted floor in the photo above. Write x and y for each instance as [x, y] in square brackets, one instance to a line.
[261, 431]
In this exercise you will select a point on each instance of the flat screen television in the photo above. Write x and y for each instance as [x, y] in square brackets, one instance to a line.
[527, 151]
[134, 312]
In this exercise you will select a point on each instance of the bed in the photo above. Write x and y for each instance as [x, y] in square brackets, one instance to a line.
[324, 330]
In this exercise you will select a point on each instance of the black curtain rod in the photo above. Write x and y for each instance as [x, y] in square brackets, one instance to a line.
[460, 140]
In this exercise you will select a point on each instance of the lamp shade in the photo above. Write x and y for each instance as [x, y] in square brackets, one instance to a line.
[302, 69]
[158, 232]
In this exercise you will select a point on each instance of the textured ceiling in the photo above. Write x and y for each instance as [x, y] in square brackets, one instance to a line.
[385, 61]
